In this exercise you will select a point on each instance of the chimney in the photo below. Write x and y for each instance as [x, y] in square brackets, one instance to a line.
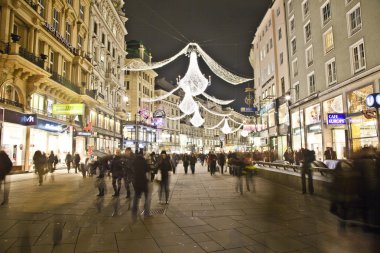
[141, 51]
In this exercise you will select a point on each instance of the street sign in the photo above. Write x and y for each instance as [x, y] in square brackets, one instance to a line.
[336, 119]
[248, 109]
[373, 100]
[68, 109]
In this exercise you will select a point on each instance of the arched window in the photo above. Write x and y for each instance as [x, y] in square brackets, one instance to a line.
[9, 92]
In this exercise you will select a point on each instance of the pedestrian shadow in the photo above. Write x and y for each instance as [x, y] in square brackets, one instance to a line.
[99, 204]
[57, 230]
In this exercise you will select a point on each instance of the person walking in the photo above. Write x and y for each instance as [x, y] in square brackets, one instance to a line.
[164, 165]
[68, 161]
[186, 161]
[211, 160]
[39, 161]
[309, 157]
[55, 162]
[5, 167]
[140, 184]
[152, 161]
[193, 161]
[128, 170]
[221, 161]
[289, 156]
[117, 172]
[51, 162]
[76, 162]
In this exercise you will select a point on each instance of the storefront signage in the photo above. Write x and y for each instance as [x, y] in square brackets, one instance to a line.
[373, 100]
[18, 118]
[82, 133]
[144, 113]
[248, 109]
[60, 38]
[68, 109]
[336, 119]
[159, 114]
[50, 126]
[315, 128]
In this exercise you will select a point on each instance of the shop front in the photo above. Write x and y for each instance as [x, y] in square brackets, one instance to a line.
[334, 126]
[362, 126]
[297, 130]
[140, 137]
[314, 130]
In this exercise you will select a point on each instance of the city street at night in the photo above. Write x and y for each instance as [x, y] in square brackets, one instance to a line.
[204, 214]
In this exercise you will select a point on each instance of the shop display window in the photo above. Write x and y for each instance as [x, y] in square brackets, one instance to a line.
[313, 114]
[363, 132]
[357, 99]
[272, 119]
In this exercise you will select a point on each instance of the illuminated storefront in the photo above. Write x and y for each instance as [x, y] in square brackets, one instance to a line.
[314, 130]
[297, 130]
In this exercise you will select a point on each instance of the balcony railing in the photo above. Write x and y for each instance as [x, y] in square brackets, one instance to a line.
[100, 95]
[4, 48]
[62, 80]
[48, 114]
[32, 4]
[11, 102]
[31, 57]
[91, 93]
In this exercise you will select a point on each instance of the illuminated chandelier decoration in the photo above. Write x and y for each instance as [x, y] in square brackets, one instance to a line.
[197, 119]
[226, 129]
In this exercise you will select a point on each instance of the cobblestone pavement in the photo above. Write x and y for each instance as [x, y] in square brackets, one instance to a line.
[204, 214]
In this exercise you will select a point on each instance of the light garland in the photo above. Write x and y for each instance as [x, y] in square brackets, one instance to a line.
[197, 119]
[214, 113]
[151, 100]
[188, 105]
[218, 101]
[217, 125]
[236, 129]
[244, 133]
[177, 118]
[226, 129]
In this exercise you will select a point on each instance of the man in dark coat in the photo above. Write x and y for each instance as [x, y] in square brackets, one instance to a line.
[76, 162]
[68, 161]
[117, 172]
[140, 183]
[211, 160]
[193, 161]
[39, 161]
[221, 161]
[5, 168]
[308, 158]
[128, 170]
[164, 165]
[51, 162]
[186, 160]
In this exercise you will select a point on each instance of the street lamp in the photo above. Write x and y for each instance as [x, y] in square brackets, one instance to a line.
[124, 99]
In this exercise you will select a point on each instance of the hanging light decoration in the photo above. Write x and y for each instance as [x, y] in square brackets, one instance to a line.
[194, 81]
[244, 133]
[197, 119]
[226, 129]
[188, 105]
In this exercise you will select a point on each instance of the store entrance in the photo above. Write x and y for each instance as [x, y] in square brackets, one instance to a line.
[339, 142]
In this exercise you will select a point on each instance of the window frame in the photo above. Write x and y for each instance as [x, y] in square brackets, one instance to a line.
[352, 32]
[323, 21]
[292, 18]
[357, 45]
[305, 15]
[308, 82]
[293, 49]
[294, 74]
[55, 19]
[304, 32]
[310, 48]
[327, 64]
[324, 41]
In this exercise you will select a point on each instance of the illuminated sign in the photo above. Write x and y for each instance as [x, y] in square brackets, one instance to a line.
[159, 114]
[50, 126]
[373, 100]
[83, 133]
[336, 119]
[68, 109]
[248, 109]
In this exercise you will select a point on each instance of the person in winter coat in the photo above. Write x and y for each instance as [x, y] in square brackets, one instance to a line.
[76, 162]
[193, 161]
[5, 168]
[140, 183]
[68, 161]
[51, 162]
[117, 165]
[128, 170]
[309, 157]
[221, 161]
[164, 165]
[186, 161]
[289, 156]
[212, 162]
[39, 161]
[152, 161]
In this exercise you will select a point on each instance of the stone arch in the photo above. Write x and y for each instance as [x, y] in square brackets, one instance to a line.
[12, 92]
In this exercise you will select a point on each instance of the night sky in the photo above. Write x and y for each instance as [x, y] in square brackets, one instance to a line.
[223, 28]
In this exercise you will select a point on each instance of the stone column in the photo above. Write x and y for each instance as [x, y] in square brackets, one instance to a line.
[5, 18]
[27, 150]
[31, 40]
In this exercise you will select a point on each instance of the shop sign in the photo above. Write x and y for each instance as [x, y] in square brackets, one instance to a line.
[50, 126]
[315, 128]
[248, 109]
[144, 113]
[68, 109]
[84, 133]
[296, 131]
[18, 118]
[159, 113]
[336, 119]
[273, 131]
[283, 129]
[373, 100]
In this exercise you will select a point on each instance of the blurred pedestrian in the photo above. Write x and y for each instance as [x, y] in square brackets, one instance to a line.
[5, 168]
[51, 162]
[128, 170]
[306, 169]
[164, 165]
[68, 161]
[289, 155]
[212, 162]
[76, 162]
[152, 163]
[140, 184]
[193, 161]
[186, 161]
[55, 162]
[117, 172]
[39, 161]
[221, 161]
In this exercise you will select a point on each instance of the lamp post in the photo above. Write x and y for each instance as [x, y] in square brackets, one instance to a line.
[290, 134]
[114, 118]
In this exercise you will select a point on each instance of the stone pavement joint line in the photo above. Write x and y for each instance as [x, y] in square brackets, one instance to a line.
[204, 214]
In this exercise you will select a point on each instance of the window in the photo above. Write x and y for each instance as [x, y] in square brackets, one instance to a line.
[64, 68]
[279, 34]
[139, 86]
[55, 19]
[296, 91]
[358, 56]
[292, 25]
[41, 4]
[70, 2]
[103, 39]
[307, 30]
[326, 13]
[80, 42]
[294, 46]
[281, 58]
[305, 9]
[51, 61]
[109, 46]
[331, 72]
[95, 28]
[290, 6]
[270, 43]
[354, 20]
[37, 102]
[267, 48]
[295, 67]
[278, 11]
[328, 40]
[81, 11]
[311, 82]
[68, 31]
[309, 56]
[282, 86]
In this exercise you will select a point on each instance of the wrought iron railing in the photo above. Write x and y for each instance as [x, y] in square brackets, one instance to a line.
[62, 80]
[32, 4]
[31, 57]
[4, 47]
[48, 114]
[11, 102]
[91, 93]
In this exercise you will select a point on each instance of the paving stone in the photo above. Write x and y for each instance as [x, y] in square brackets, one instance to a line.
[198, 229]
[200, 237]
[279, 243]
[230, 238]
[210, 246]
[96, 242]
[185, 248]
[139, 245]
[221, 223]
[188, 221]
[177, 240]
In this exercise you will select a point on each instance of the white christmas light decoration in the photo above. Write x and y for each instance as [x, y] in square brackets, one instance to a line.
[197, 119]
[244, 133]
[226, 129]
[217, 125]
[193, 81]
[150, 100]
[218, 101]
[188, 105]
[177, 118]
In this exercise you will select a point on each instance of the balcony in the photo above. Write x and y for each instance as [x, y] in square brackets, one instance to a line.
[31, 57]
[4, 48]
[11, 102]
[49, 114]
[110, 77]
[91, 93]
[62, 80]
[32, 4]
